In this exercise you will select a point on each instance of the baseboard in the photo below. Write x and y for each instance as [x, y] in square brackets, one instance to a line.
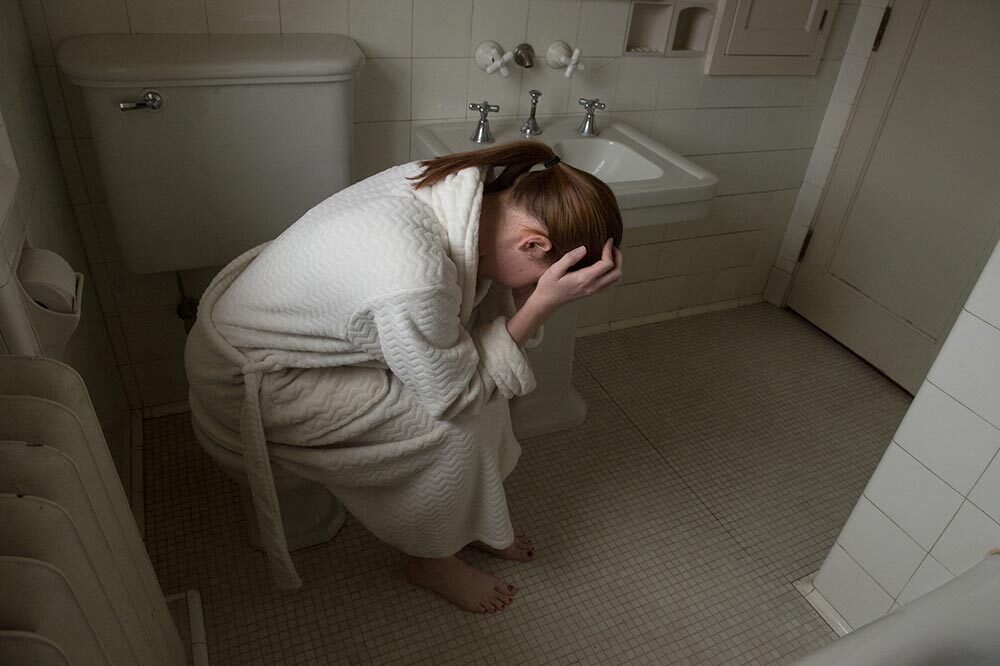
[822, 607]
[598, 329]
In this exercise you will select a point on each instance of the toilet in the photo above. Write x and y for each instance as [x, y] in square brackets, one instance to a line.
[209, 145]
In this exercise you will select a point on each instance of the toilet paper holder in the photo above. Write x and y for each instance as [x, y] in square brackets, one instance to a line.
[53, 329]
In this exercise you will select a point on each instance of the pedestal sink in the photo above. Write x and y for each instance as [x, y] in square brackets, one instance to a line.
[653, 185]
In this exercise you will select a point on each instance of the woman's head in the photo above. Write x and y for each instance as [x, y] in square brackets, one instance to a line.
[532, 215]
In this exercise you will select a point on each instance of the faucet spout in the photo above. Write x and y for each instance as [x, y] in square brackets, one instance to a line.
[530, 126]
[524, 55]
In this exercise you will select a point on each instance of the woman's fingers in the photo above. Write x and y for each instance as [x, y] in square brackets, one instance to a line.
[567, 261]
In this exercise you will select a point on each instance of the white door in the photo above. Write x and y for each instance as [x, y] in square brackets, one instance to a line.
[912, 208]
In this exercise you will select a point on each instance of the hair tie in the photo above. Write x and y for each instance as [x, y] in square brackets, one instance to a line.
[554, 161]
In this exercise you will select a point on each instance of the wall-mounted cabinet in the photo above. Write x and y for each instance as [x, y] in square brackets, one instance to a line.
[769, 36]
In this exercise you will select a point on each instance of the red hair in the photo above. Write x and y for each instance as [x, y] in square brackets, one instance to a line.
[576, 207]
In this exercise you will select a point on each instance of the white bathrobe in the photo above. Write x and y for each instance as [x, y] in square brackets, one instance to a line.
[358, 350]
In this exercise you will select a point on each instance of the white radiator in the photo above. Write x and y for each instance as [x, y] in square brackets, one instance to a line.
[76, 583]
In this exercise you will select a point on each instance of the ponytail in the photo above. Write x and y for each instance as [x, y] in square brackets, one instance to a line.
[576, 207]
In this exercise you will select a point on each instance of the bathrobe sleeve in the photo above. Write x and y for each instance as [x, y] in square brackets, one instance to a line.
[450, 370]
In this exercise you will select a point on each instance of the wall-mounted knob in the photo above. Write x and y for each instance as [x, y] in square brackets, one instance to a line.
[559, 55]
[491, 58]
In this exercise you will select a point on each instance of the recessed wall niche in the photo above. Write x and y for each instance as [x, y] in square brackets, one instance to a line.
[671, 28]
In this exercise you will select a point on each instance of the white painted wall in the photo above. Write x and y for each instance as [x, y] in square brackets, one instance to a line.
[932, 509]
[43, 213]
[756, 133]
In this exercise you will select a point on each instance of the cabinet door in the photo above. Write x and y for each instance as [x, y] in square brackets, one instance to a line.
[769, 36]
[776, 27]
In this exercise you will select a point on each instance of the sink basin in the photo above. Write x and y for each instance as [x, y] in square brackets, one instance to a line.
[611, 161]
[642, 173]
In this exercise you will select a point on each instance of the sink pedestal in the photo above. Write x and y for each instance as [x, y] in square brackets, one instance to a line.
[555, 404]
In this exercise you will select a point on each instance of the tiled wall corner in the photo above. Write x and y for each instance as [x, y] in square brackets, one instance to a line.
[43, 211]
[932, 508]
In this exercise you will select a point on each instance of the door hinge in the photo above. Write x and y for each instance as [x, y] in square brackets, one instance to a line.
[881, 28]
[805, 245]
[822, 20]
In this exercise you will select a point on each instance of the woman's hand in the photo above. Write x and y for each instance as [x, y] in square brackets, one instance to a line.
[558, 286]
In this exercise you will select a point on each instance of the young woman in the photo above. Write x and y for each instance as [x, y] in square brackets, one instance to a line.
[374, 345]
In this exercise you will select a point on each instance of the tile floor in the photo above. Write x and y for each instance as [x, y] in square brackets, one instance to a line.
[721, 455]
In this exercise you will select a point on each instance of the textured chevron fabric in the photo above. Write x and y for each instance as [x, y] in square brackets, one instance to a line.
[358, 350]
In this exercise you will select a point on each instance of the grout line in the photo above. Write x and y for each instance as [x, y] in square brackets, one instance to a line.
[670, 466]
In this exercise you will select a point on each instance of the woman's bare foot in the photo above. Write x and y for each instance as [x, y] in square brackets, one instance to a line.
[522, 550]
[462, 585]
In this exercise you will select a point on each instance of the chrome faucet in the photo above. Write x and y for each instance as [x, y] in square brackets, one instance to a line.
[530, 126]
[524, 56]
[589, 126]
[483, 133]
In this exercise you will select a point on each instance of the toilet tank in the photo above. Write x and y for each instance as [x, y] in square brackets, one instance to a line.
[252, 131]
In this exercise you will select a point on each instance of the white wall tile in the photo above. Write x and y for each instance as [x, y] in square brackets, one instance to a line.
[552, 83]
[505, 23]
[598, 80]
[441, 28]
[506, 92]
[714, 253]
[863, 34]
[637, 80]
[791, 244]
[880, 547]
[87, 155]
[243, 16]
[440, 87]
[382, 90]
[665, 294]
[674, 258]
[378, 146]
[118, 343]
[630, 301]
[788, 91]
[382, 28]
[834, 123]
[851, 591]
[727, 284]
[76, 108]
[968, 539]
[820, 164]
[315, 16]
[929, 576]
[984, 302]
[597, 309]
[88, 232]
[680, 81]
[968, 366]
[698, 289]
[152, 16]
[690, 131]
[639, 120]
[776, 287]
[915, 499]
[806, 205]
[550, 21]
[641, 264]
[15, 52]
[820, 87]
[952, 441]
[986, 493]
[66, 18]
[602, 27]
[810, 121]
[852, 71]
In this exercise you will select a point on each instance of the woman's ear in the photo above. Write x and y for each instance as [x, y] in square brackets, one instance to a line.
[535, 244]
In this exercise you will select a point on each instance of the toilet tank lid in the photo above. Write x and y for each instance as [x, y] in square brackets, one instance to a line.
[123, 60]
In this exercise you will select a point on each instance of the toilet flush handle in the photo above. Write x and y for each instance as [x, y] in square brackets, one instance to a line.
[149, 100]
